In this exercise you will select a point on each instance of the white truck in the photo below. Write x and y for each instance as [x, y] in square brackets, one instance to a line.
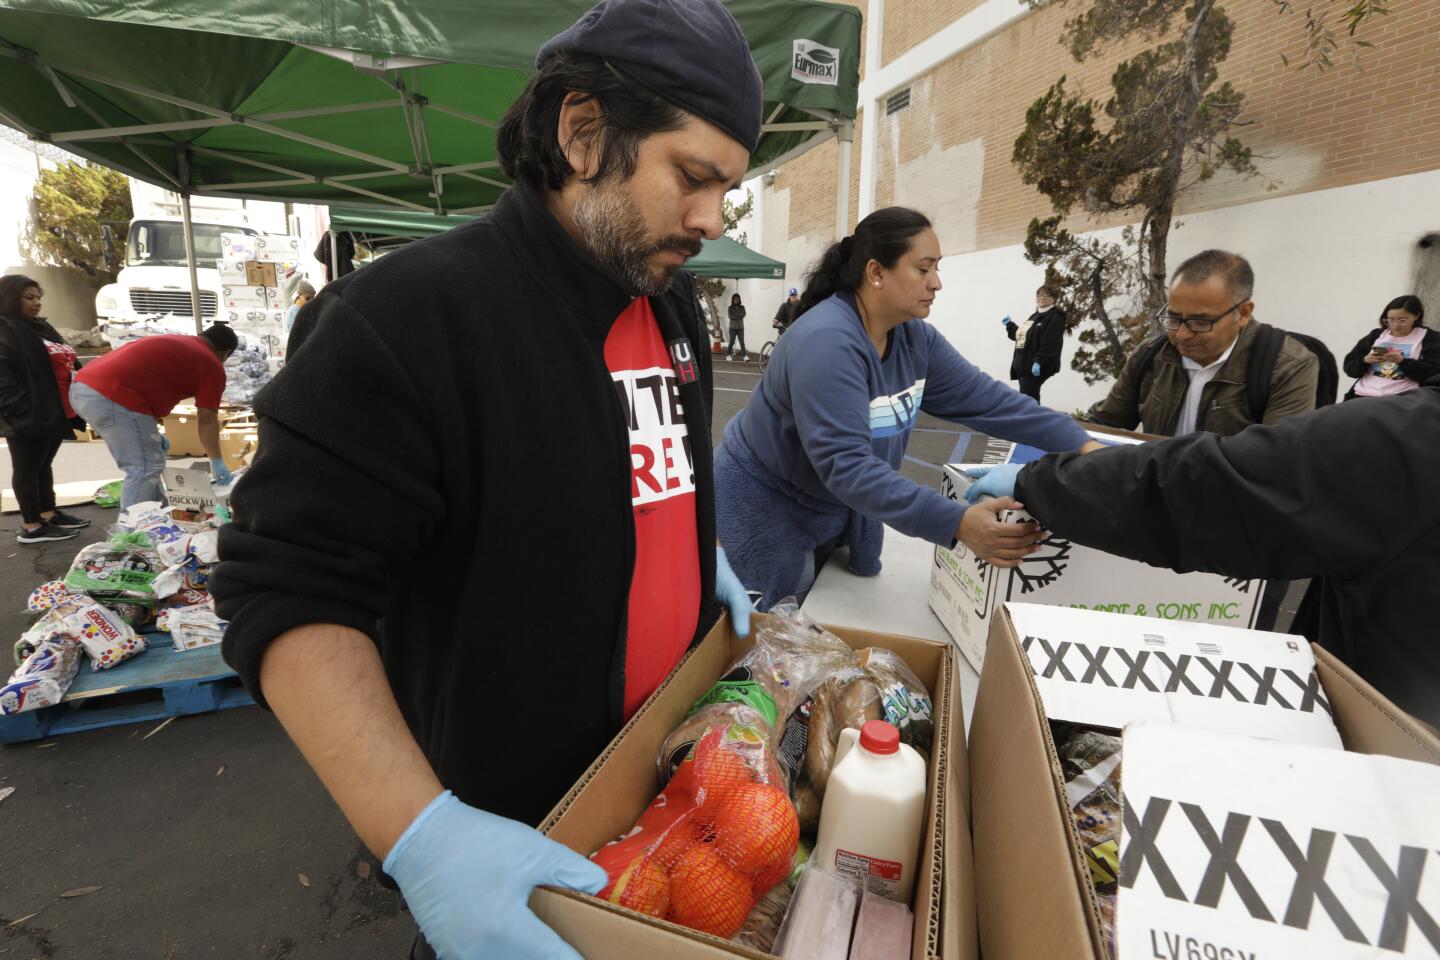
[152, 292]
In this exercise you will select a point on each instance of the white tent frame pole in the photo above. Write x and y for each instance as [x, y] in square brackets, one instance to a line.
[107, 132]
[788, 126]
[190, 263]
[844, 137]
[69, 97]
[334, 255]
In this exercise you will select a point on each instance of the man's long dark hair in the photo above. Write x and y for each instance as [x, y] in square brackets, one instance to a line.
[527, 144]
[12, 288]
[884, 236]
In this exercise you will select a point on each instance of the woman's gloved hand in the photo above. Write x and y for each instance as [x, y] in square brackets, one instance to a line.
[731, 592]
[1035, 369]
[467, 876]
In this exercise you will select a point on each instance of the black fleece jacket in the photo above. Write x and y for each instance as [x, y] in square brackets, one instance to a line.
[444, 465]
[1043, 343]
[1345, 495]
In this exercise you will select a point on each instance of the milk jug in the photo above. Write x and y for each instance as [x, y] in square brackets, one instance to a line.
[873, 811]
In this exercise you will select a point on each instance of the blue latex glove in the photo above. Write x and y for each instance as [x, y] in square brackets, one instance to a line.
[1035, 369]
[731, 592]
[164, 443]
[220, 473]
[996, 481]
[1005, 321]
[467, 877]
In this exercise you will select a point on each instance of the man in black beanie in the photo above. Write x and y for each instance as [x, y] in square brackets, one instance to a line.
[480, 528]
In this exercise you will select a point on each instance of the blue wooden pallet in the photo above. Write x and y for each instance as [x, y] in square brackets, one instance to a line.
[161, 682]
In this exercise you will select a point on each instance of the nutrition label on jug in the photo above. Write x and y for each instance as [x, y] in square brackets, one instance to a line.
[877, 876]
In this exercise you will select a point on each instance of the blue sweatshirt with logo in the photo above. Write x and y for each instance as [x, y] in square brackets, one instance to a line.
[832, 419]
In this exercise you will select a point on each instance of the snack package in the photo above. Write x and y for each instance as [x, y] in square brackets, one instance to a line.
[883, 929]
[193, 626]
[46, 595]
[1090, 761]
[41, 681]
[105, 636]
[718, 837]
[821, 916]
[903, 697]
[121, 570]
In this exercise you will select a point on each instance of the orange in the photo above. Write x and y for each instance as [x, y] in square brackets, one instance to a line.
[707, 895]
[644, 888]
[718, 770]
[756, 830]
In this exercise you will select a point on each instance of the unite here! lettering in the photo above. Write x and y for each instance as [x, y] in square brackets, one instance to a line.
[1273, 849]
[661, 465]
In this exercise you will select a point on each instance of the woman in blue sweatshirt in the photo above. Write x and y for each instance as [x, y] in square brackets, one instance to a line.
[812, 462]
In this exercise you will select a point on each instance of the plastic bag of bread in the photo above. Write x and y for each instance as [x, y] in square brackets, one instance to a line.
[792, 656]
[903, 698]
[44, 677]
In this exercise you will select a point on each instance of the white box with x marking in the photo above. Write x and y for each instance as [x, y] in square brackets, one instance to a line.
[965, 591]
[1108, 670]
[1236, 848]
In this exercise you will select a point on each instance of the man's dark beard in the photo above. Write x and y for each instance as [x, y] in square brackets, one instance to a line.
[613, 232]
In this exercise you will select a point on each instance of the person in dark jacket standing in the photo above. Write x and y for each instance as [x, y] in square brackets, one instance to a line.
[36, 366]
[1038, 342]
[1278, 502]
[1398, 355]
[453, 627]
[737, 327]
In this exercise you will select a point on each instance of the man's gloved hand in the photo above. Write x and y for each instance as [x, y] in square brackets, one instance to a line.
[996, 481]
[1005, 321]
[731, 592]
[164, 443]
[220, 473]
[1035, 369]
[467, 877]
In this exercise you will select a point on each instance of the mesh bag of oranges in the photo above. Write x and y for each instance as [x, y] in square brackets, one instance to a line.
[723, 831]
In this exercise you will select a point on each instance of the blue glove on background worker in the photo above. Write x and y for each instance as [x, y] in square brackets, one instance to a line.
[467, 876]
[221, 473]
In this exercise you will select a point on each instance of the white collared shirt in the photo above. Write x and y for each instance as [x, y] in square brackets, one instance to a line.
[1199, 377]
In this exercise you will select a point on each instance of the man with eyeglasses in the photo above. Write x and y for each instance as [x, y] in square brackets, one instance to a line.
[1194, 377]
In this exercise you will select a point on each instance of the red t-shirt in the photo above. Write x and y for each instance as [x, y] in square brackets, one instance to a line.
[153, 374]
[665, 591]
[62, 361]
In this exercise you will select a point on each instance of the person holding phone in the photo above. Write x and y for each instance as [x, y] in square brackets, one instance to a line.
[1398, 355]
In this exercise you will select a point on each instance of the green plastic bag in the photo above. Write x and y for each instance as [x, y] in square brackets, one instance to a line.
[108, 496]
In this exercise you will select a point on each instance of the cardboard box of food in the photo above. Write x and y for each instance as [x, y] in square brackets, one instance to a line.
[1035, 898]
[232, 273]
[247, 297]
[190, 490]
[608, 799]
[1244, 848]
[277, 249]
[965, 591]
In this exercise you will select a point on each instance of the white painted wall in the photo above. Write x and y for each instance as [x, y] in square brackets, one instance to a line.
[1325, 263]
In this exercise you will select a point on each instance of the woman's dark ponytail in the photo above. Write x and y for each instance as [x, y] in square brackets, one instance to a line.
[884, 236]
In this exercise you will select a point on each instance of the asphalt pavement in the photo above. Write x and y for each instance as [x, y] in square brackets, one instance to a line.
[208, 838]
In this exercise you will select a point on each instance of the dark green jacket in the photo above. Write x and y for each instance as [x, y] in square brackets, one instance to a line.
[1155, 401]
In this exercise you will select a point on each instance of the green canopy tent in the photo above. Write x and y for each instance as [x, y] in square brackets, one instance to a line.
[723, 257]
[379, 229]
[386, 102]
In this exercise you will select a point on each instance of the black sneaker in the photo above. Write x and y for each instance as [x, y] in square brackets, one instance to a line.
[45, 533]
[66, 522]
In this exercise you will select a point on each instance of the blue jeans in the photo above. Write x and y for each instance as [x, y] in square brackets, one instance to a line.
[133, 439]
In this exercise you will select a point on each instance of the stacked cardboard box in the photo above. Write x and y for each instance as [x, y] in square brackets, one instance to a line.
[257, 280]
[1233, 846]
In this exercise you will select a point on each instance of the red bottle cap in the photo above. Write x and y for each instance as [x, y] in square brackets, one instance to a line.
[880, 737]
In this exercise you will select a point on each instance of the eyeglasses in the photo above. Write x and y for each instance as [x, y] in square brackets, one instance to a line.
[1172, 321]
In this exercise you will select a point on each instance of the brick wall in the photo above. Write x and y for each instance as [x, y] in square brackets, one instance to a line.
[950, 150]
